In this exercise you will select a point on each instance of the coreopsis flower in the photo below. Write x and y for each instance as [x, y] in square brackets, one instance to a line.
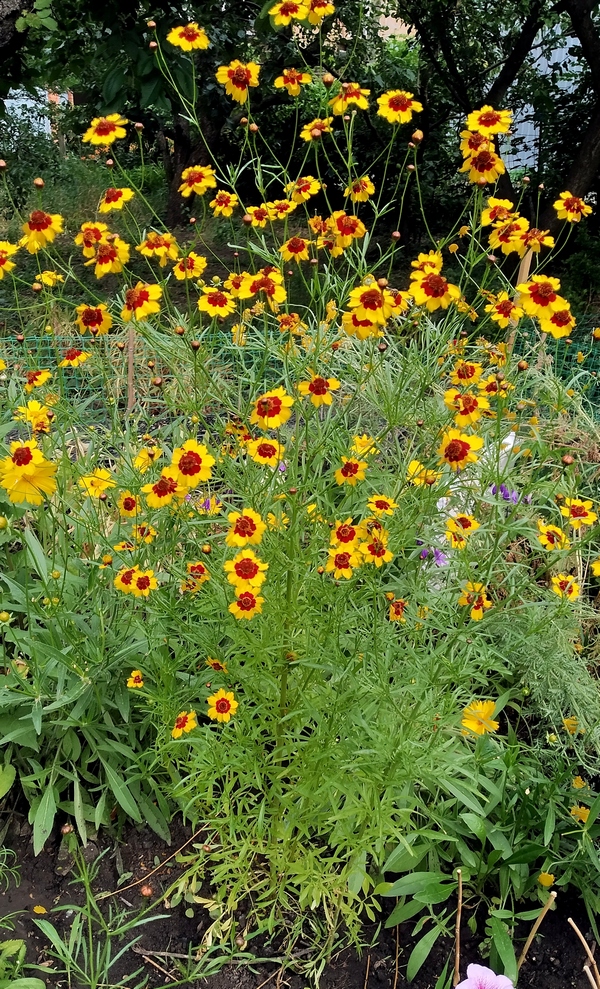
[246, 571]
[126, 545]
[580, 813]
[318, 10]
[35, 414]
[110, 257]
[360, 328]
[50, 278]
[26, 475]
[552, 537]
[433, 291]
[115, 199]
[97, 483]
[295, 249]
[265, 451]
[565, 586]
[224, 203]
[507, 236]
[497, 211]
[488, 121]
[559, 323]
[184, 723]
[466, 373]
[93, 319]
[457, 449]
[279, 209]
[105, 130]
[259, 215]
[571, 724]
[345, 228]
[197, 575]
[418, 474]
[238, 77]
[571, 208]
[369, 301]
[246, 528]
[364, 445]
[539, 296]
[161, 246]
[246, 605]
[191, 266]
[35, 379]
[191, 463]
[272, 409]
[239, 334]
[360, 190]
[135, 680]
[467, 407]
[287, 11]
[89, 236]
[426, 264]
[73, 357]
[163, 491]
[222, 706]
[216, 665]
[397, 608]
[40, 230]
[351, 471]
[546, 879]
[124, 579]
[189, 38]
[595, 567]
[277, 522]
[459, 528]
[292, 80]
[349, 95]
[147, 456]
[303, 188]
[397, 106]
[314, 129]
[342, 562]
[375, 549]
[143, 582]
[381, 505]
[344, 534]
[503, 310]
[128, 504]
[578, 512]
[197, 179]
[477, 719]
[534, 239]
[141, 301]
[319, 389]
[474, 596]
[144, 533]
[6, 251]
[485, 166]
[472, 142]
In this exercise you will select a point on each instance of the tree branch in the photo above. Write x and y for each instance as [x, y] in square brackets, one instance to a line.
[520, 50]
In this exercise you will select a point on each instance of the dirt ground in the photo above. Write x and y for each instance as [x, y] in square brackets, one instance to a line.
[555, 961]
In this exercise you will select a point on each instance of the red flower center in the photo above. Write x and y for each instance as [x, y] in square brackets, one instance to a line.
[342, 561]
[129, 504]
[136, 297]
[434, 285]
[264, 284]
[90, 235]
[456, 451]
[465, 371]
[288, 8]
[164, 486]
[182, 721]
[319, 386]
[268, 407]
[542, 293]
[223, 705]
[347, 225]
[578, 512]
[489, 119]
[551, 537]
[189, 33]
[266, 450]
[483, 161]
[32, 377]
[505, 307]
[296, 245]
[467, 404]
[398, 608]
[240, 76]
[246, 568]
[564, 585]
[127, 576]
[196, 177]
[38, 220]
[474, 143]
[497, 212]
[223, 199]
[561, 318]
[376, 548]
[463, 522]
[106, 254]
[72, 354]
[372, 299]
[113, 195]
[190, 463]
[91, 317]
[573, 204]
[350, 468]
[105, 127]
[381, 504]
[22, 456]
[399, 103]
[292, 76]
[345, 533]
[245, 526]
[143, 582]
[217, 299]
[246, 601]
[197, 569]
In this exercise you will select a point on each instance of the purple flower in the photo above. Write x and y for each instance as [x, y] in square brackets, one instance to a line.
[282, 467]
[506, 494]
[480, 977]
[440, 559]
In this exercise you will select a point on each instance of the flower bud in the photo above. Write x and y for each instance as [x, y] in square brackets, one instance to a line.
[382, 282]
[247, 219]
[3, 521]
[157, 382]
[522, 365]
[3, 165]
[153, 46]
[568, 459]
[492, 258]
[541, 186]
[253, 127]
[19, 338]
[36, 287]
[525, 180]
[146, 890]
[195, 344]
[417, 136]
[320, 570]
[192, 220]
[382, 347]
[293, 491]
[66, 829]
[103, 496]
[39, 183]
[121, 345]
[396, 235]
[500, 376]
[420, 423]
[109, 163]
[328, 80]
[179, 330]
[138, 126]
[151, 25]
[243, 121]
[410, 168]
[207, 549]
[411, 145]
[316, 133]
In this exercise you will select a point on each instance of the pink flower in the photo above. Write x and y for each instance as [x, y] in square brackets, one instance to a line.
[480, 977]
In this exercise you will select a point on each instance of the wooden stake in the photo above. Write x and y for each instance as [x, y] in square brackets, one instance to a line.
[522, 276]
[536, 927]
[456, 978]
[587, 950]
[397, 960]
[586, 969]
[367, 971]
